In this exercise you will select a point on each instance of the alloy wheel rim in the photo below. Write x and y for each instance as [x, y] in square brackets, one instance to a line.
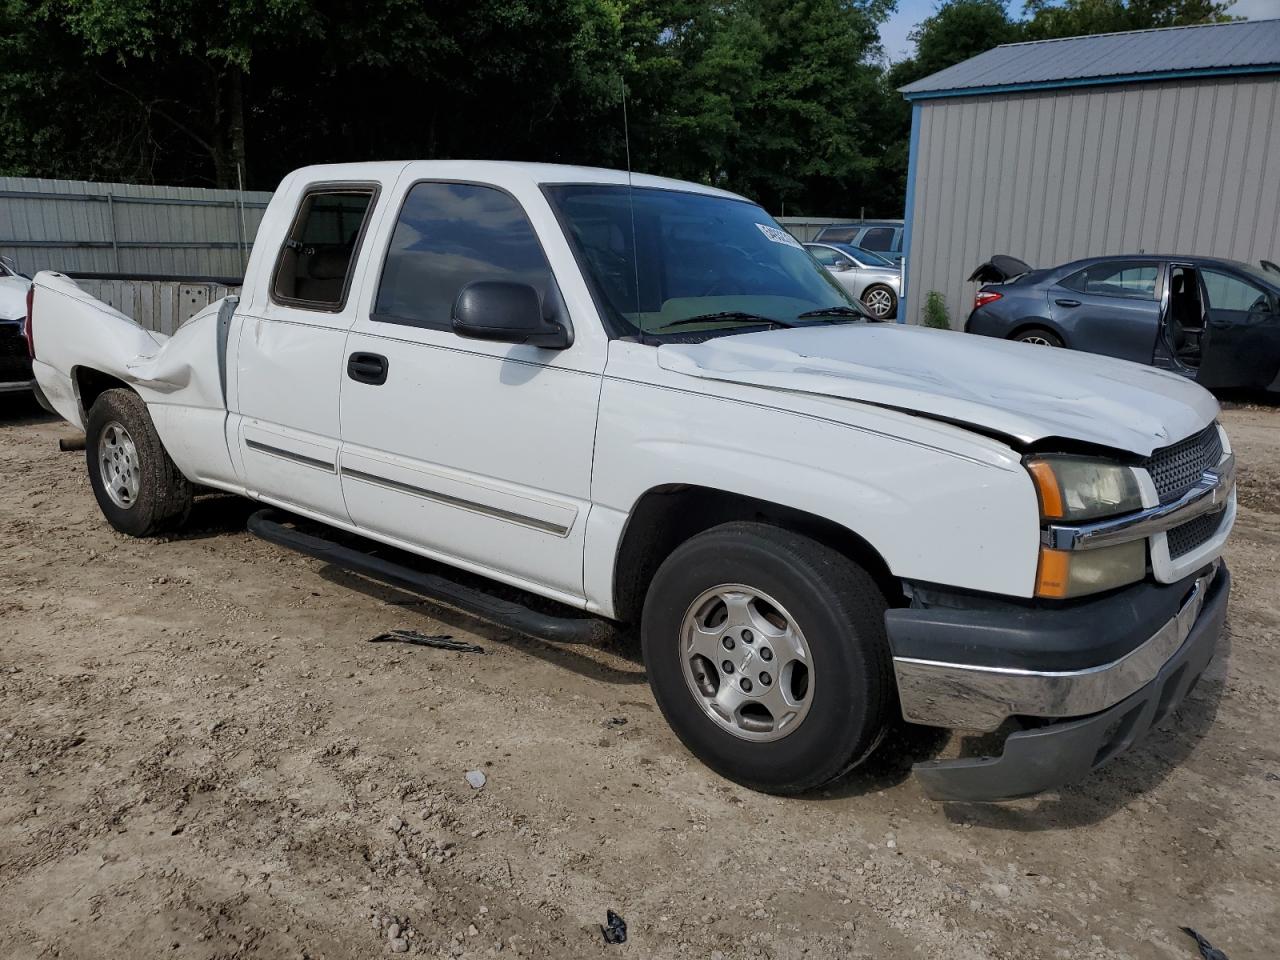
[746, 662]
[879, 302]
[1037, 340]
[118, 465]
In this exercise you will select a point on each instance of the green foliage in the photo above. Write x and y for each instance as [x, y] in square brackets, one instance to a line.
[957, 31]
[935, 311]
[787, 101]
[1047, 19]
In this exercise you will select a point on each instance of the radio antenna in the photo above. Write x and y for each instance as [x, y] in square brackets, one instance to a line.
[631, 203]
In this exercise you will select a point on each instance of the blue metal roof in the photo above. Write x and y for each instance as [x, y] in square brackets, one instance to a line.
[1216, 49]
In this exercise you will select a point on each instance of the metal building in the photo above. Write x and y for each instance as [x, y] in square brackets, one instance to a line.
[1156, 141]
[127, 230]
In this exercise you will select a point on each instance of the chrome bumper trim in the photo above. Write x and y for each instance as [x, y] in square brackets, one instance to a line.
[1210, 493]
[981, 698]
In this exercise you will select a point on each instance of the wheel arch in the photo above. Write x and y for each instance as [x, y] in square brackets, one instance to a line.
[90, 384]
[668, 515]
[1038, 323]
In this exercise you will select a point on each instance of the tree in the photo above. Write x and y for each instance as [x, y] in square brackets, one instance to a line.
[770, 98]
[184, 62]
[1047, 19]
[958, 30]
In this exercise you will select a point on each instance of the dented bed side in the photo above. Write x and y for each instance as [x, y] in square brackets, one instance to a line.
[182, 378]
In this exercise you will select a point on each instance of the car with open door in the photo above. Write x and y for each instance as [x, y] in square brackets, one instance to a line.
[1212, 320]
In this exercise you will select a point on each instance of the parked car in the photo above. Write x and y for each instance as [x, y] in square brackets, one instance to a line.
[1215, 321]
[644, 400]
[879, 236]
[870, 277]
[15, 365]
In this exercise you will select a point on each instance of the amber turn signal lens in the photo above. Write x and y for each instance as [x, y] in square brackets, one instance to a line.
[1053, 575]
[1047, 488]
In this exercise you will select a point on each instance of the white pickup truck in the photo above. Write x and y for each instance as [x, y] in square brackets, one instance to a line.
[645, 400]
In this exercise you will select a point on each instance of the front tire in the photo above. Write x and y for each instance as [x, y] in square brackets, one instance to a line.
[880, 300]
[767, 654]
[137, 486]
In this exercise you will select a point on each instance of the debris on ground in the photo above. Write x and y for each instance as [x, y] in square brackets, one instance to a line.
[614, 928]
[441, 641]
[236, 699]
[476, 778]
[1207, 950]
[396, 929]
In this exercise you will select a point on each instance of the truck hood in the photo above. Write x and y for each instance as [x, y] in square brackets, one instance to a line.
[1021, 391]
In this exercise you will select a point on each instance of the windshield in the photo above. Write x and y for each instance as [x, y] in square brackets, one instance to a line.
[868, 258]
[1260, 273]
[667, 264]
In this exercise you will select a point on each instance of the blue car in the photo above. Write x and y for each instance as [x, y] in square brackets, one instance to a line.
[1212, 320]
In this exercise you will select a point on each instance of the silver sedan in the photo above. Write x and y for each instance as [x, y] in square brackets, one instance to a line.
[865, 274]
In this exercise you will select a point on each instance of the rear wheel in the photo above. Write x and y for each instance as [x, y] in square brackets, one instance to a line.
[767, 654]
[1040, 337]
[880, 300]
[137, 485]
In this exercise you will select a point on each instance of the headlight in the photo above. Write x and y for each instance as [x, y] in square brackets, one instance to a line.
[1075, 489]
[1078, 489]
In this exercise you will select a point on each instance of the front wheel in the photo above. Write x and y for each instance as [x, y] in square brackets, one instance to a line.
[767, 654]
[880, 300]
[138, 487]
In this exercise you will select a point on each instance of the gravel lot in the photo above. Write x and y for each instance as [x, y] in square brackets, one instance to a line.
[201, 756]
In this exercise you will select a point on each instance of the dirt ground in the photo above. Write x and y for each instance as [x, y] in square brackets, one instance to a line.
[202, 757]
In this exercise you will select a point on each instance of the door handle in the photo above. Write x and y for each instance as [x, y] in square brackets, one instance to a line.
[1067, 303]
[368, 368]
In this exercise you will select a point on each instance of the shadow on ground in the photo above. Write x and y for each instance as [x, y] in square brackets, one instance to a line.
[1122, 780]
[20, 410]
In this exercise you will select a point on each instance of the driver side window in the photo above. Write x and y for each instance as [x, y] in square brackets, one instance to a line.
[826, 256]
[1226, 292]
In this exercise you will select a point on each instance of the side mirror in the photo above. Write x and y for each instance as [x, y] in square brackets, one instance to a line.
[508, 313]
[842, 265]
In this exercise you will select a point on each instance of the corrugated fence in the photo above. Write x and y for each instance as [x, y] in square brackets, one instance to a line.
[74, 226]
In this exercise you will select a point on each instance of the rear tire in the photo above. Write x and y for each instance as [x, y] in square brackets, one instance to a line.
[768, 601]
[137, 485]
[1040, 337]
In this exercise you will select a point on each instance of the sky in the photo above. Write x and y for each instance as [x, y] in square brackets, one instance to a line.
[910, 12]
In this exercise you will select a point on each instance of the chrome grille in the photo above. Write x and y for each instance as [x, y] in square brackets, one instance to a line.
[1194, 533]
[1176, 468]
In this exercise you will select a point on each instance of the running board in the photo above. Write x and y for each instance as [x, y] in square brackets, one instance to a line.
[270, 525]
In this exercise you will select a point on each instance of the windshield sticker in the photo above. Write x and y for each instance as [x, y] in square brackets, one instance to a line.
[779, 236]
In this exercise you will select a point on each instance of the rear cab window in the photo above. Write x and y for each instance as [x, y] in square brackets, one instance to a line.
[449, 235]
[316, 262]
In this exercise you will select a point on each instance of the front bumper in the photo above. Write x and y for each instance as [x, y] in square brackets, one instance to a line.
[1079, 717]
